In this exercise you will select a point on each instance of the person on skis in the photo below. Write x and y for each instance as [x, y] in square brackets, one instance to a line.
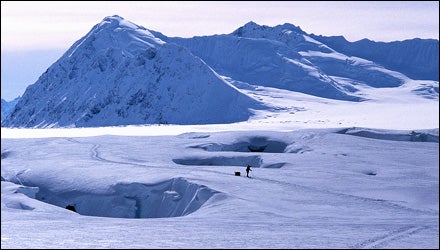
[248, 168]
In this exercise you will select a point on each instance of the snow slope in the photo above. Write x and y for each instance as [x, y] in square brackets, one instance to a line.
[8, 107]
[286, 57]
[123, 74]
[417, 58]
[310, 188]
[120, 74]
[326, 173]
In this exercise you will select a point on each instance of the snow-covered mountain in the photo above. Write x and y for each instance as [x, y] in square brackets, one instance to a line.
[417, 58]
[120, 74]
[261, 59]
[8, 107]
[286, 57]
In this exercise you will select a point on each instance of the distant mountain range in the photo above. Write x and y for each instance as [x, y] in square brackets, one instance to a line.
[416, 58]
[121, 74]
[8, 107]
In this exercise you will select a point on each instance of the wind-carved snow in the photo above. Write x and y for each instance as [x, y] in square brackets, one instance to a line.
[172, 198]
[423, 136]
[248, 144]
[247, 150]
[253, 160]
[14, 196]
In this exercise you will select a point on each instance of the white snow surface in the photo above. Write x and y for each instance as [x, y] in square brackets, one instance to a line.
[123, 74]
[120, 74]
[326, 173]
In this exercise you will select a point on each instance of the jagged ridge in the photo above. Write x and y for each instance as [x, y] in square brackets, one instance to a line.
[120, 74]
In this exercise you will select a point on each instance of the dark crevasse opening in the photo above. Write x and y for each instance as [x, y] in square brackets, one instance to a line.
[171, 198]
[253, 144]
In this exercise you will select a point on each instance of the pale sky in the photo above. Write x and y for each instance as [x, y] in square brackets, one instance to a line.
[48, 25]
[35, 34]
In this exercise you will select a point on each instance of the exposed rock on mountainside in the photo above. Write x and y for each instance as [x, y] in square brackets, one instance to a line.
[120, 74]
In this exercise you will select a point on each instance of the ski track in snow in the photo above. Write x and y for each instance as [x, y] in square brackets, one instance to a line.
[383, 240]
[96, 156]
[380, 219]
[374, 233]
[383, 203]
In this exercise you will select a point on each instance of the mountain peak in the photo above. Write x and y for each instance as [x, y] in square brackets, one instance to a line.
[249, 26]
[252, 24]
[113, 17]
[119, 73]
[290, 27]
[115, 21]
[119, 33]
[252, 29]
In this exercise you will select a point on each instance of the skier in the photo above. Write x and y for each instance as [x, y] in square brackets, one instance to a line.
[248, 168]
